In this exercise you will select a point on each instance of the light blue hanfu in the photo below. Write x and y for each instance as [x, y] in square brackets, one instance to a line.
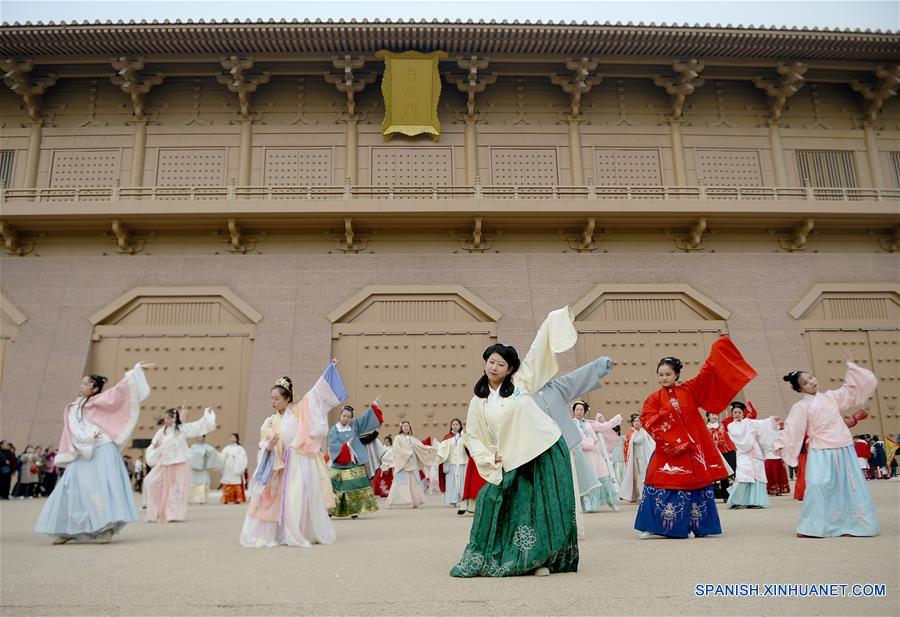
[837, 501]
[748, 495]
[92, 497]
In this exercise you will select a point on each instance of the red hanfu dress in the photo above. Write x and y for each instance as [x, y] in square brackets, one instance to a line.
[678, 493]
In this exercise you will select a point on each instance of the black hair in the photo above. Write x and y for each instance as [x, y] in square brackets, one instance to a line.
[511, 356]
[98, 380]
[288, 392]
[633, 416]
[237, 438]
[175, 414]
[348, 408]
[584, 404]
[793, 378]
[401, 427]
[674, 363]
[460, 424]
[617, 430]
[389, 438]
[738, 404]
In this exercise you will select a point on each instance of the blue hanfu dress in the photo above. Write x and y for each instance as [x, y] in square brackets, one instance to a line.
[353, 492]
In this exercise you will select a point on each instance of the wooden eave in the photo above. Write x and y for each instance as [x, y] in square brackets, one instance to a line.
[46, 41]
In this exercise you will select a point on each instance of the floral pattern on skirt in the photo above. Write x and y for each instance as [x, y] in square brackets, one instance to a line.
[675, 513]
[526, 522]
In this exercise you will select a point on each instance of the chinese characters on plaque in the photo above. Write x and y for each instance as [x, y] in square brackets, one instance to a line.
[411, 88]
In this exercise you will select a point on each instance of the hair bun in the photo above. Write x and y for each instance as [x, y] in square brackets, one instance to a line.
[787, 377]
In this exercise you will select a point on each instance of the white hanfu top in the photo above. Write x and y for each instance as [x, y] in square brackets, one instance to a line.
[171, 445]
[515, 426]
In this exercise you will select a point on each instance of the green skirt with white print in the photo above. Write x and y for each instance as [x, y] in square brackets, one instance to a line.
[525, 523]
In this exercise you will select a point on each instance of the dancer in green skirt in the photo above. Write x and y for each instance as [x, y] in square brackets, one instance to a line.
[525, 518]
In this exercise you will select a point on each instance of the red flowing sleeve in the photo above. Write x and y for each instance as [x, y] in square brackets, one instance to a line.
[664, 424]
[722, 376]
[378, 413]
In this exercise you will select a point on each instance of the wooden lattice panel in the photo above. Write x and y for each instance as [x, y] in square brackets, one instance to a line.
[191, 167]
[412, 167]
[728, 168]
[524, 167]
[298, 166]
[627, 167]
[84, 168]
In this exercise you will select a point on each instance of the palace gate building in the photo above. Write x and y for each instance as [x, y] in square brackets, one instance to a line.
[237, 201]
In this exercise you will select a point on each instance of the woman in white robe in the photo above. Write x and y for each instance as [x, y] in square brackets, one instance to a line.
[169, 482]
[451, 457]
[750, 437]
[410, 456]
[234, 464]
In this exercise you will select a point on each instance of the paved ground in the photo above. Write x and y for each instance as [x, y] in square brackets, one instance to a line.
[397, 563]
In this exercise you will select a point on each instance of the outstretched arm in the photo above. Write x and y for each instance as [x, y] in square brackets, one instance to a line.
[556, 335]
[582, 380]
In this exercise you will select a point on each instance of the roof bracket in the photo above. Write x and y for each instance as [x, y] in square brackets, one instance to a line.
[694, 240]
[124, 241]
[11, 241]
[236, 239]
[797, 240]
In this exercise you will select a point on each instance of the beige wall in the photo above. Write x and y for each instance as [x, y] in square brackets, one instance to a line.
[295, 292]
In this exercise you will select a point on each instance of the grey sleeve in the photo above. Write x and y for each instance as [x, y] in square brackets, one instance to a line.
[582, 380]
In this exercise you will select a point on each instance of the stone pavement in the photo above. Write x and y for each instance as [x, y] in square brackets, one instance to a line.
[396, 562]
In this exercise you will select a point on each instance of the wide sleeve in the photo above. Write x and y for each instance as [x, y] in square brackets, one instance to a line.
[766, 432]
[660, 422]
[481, 446]
[334, 443]
[312, 410]
[369, 420]
[443, 450]
[154, 451]
[116, 410]
[240, 459]
[789, 443]
[82, 434]
[610, 424]
[721, 378]
[859, 386]
[582, 380]
[425, 454]
[387, 460]
[203, 426]
[215, 459]
[556, 335]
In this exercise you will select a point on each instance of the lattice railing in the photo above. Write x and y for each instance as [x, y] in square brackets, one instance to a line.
[188, 193]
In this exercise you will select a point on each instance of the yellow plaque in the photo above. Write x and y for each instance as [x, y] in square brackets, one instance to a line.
[411, 88]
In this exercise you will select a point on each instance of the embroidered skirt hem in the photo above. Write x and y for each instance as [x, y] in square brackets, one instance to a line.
[526, 522]
[674, 513]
